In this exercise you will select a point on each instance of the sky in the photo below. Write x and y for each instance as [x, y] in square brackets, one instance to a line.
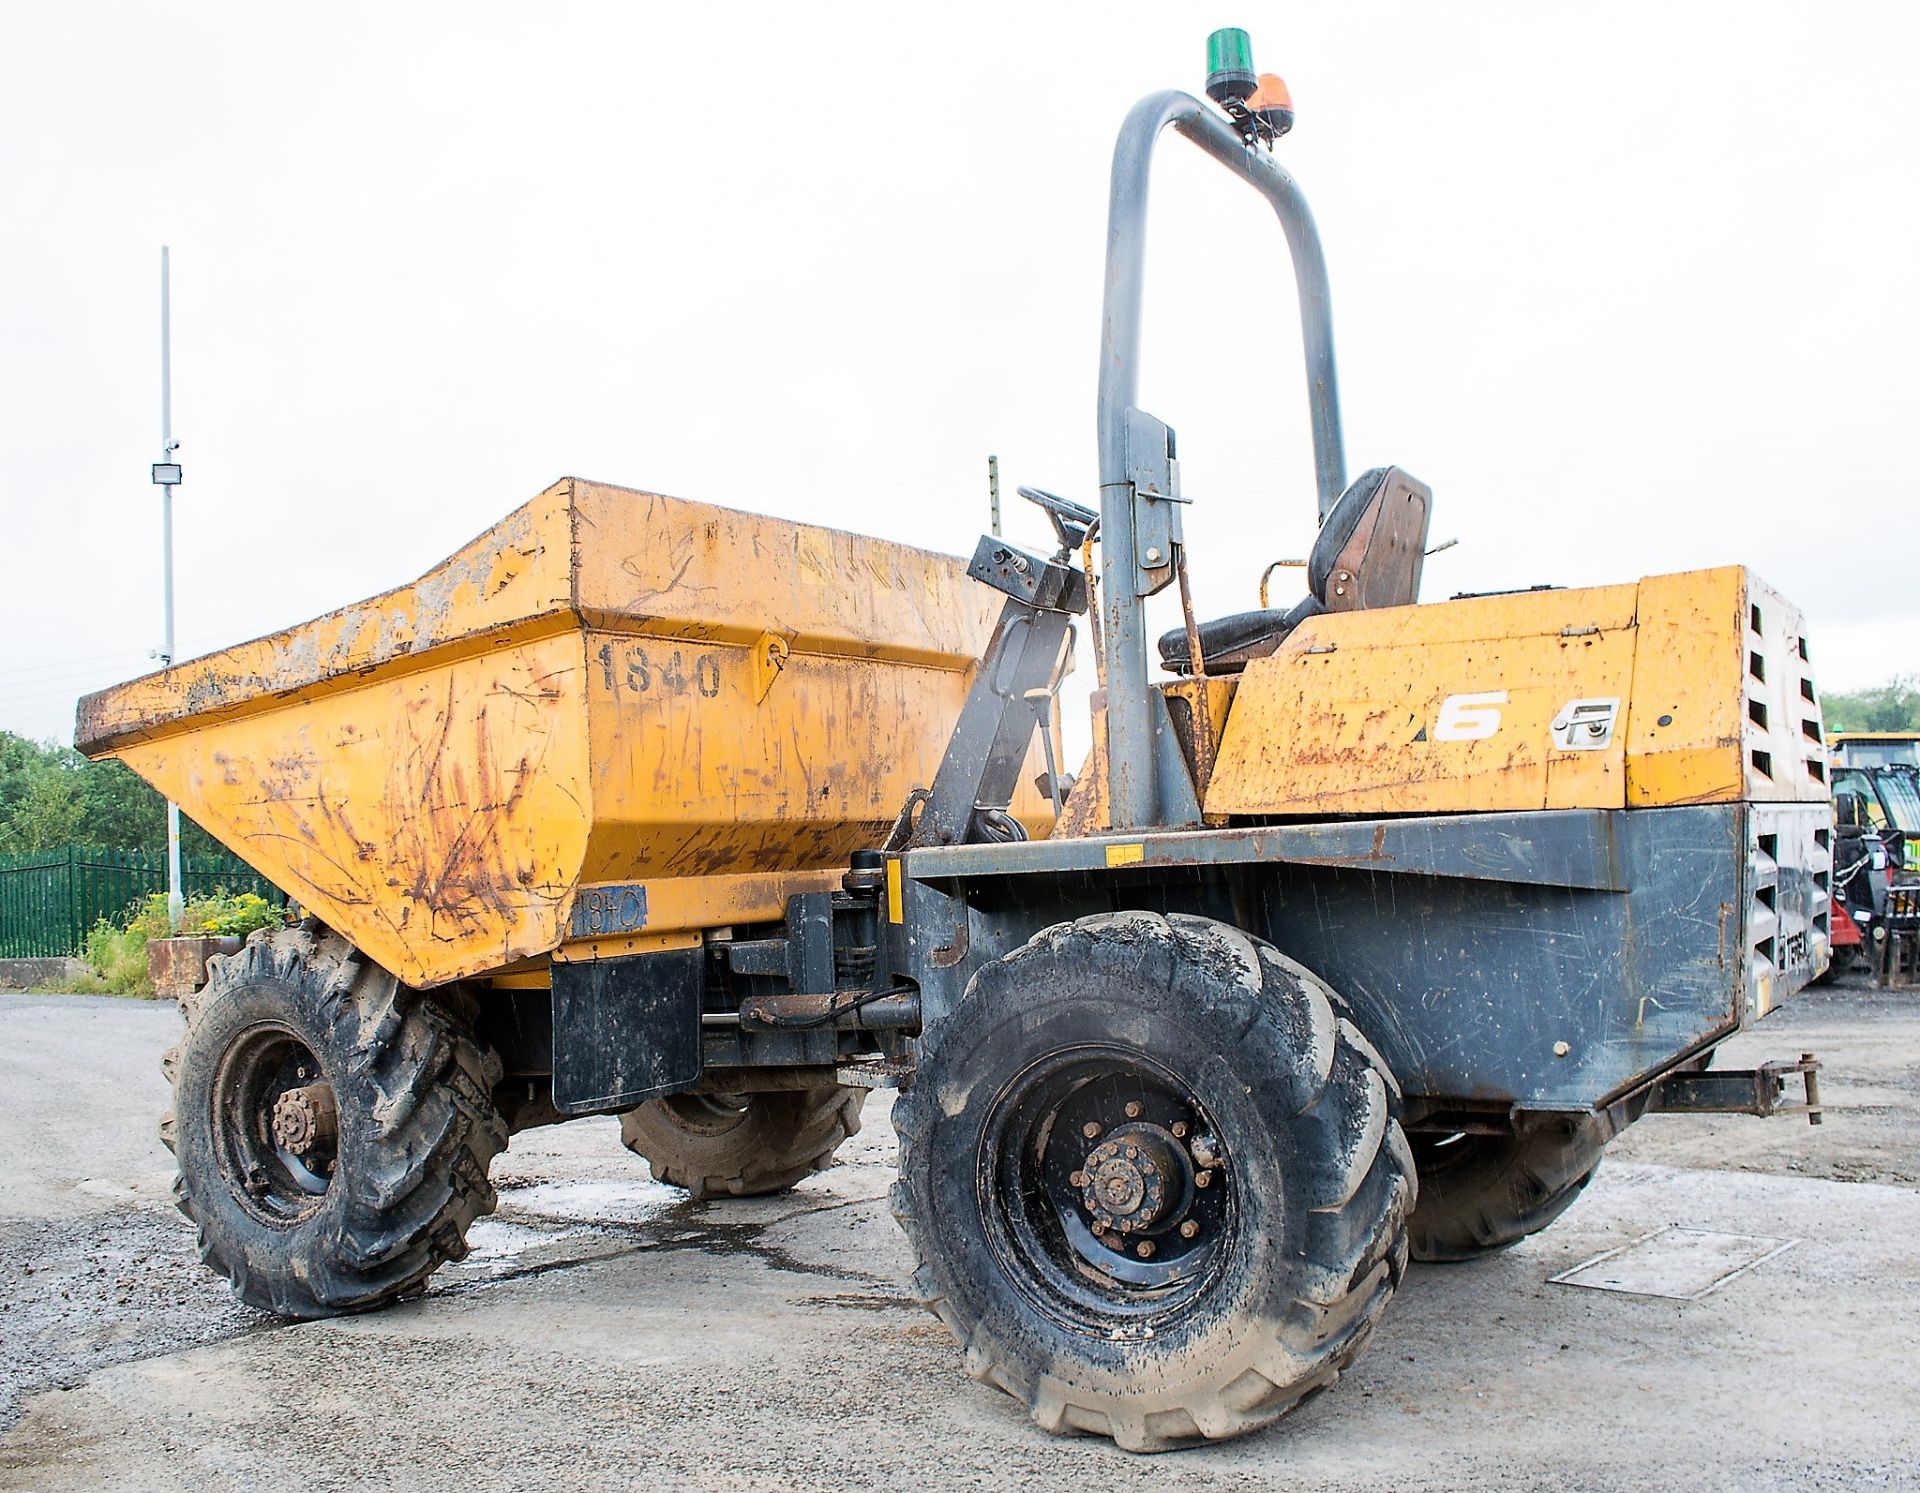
[1633, 288]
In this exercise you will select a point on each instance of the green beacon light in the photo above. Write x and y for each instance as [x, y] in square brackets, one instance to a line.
[1230, 74]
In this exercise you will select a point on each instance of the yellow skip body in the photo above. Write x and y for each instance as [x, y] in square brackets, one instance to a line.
[611, 721]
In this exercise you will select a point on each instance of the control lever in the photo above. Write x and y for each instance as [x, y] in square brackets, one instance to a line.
[1042, 702]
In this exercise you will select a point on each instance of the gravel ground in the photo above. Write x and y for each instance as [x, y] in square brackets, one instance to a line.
[606, 1333]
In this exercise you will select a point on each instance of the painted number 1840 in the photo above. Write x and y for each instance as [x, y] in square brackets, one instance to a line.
[633, 668]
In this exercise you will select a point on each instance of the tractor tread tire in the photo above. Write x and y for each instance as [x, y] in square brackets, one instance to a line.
[1500, 1189]
[1291, 1332]
[780, 1138]
[418, 1128]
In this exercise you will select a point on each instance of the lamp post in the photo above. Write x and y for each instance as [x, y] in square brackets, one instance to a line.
[166, 475]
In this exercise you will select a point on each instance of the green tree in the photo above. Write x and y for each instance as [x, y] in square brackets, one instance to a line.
[39, 802]
[50, 796]
[1894, 706]
[49, 811]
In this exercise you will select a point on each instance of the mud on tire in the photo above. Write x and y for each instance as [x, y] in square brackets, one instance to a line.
[742, 1145]
[1482, 1193]
[378, 1189]
[1205, 1043]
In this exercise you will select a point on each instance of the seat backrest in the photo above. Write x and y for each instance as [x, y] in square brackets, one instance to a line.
[1373, 545]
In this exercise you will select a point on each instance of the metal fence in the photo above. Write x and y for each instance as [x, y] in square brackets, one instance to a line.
[50, 898]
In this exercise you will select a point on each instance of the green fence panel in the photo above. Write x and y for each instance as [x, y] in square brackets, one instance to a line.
[36, 904]
[50, 898]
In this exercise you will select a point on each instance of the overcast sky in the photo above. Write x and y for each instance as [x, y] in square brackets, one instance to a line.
[1633, 287]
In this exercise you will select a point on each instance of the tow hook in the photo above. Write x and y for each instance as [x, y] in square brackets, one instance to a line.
[1741, 1091]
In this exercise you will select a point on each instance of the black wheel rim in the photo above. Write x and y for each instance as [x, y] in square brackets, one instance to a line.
[1107, 1190]
[278, 1182]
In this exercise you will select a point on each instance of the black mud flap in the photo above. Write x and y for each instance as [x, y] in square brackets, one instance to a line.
[625, 1030]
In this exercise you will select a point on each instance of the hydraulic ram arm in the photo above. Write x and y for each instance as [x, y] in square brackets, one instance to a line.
[1127, 435]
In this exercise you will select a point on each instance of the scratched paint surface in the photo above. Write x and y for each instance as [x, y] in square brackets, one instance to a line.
[514, 572]
[1351, 715]
[649, 564]
[571, 699]
[1448, 707]
[435, 818]
[701, 781]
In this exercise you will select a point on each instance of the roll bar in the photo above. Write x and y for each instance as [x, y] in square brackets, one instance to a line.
[1136, 481]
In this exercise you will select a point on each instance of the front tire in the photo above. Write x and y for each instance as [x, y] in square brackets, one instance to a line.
[333, 1128]
[1154, 1184]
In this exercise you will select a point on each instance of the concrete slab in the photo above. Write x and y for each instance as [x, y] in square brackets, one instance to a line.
[610, 1335]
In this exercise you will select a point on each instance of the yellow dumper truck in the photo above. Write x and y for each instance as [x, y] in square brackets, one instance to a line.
[1358, 935]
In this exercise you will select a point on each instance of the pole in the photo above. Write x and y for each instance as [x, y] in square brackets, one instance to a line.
[176, 903]
[993, 491]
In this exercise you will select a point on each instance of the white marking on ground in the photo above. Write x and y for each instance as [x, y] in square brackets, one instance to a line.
[1678, 1263]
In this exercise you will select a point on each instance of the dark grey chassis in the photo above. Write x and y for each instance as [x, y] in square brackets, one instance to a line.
[1502, 963]
[1552, 961]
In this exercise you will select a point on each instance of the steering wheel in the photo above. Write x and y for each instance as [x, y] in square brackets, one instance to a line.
[1070, 520]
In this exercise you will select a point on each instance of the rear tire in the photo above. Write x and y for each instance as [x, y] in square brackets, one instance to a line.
[744, 1145]
[1167, 1050]
[333, 1128]
[1484, 1193]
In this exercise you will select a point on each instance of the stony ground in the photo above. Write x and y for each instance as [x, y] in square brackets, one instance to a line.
[607, 1334]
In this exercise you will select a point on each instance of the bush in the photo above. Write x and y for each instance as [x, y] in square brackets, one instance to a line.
[118, 959]
[225, 915]
[117, 953]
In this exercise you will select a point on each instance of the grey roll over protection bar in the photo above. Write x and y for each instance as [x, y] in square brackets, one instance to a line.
[1137, 479]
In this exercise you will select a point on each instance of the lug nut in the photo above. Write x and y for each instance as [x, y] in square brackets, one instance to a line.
[1203, 1179]
[1179, 1129]
[1090, 1129]
[1078, 1179]
[1144, 1249]
[1189, 1229]
[1133, 1109]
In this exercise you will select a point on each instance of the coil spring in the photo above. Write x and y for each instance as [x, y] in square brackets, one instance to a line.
[853, 966]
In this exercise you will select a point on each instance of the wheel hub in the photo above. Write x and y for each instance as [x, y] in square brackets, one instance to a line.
[1125, 1180]
[306, 1119]
[276, 1124]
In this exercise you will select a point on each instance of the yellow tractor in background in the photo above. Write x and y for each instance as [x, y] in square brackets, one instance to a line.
[1357, 937]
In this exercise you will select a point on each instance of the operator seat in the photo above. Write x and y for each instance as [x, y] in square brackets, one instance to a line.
[1369, 553]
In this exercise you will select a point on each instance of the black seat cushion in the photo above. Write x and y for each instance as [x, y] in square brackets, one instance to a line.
[1228, 642]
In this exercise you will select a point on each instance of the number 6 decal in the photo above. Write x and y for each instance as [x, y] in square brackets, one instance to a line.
[1469, 717]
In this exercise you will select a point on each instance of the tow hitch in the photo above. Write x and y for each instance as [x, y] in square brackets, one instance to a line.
[1740, 1091]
